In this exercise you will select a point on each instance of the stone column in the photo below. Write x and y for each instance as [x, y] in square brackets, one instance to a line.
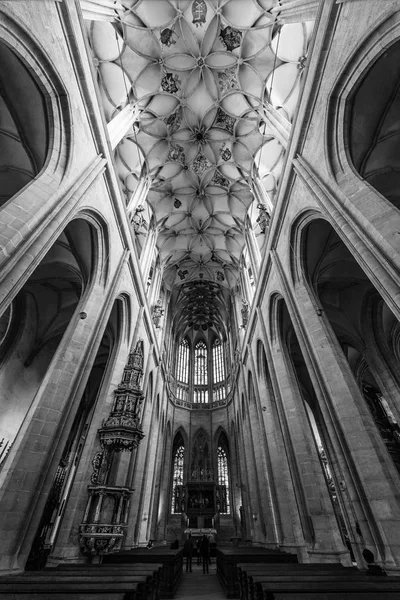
[120, 125]
[139, 195]
[287, 524]
[261, 194]
[29, 474]
[320, 527]
[268, 515]
[296, 11]
[254, 251]
[101, 10]
[276, 123]
[367, 478]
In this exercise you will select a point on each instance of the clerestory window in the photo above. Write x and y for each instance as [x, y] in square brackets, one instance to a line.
[223, 504]
[200, 364]
[178, 499]
[182, 371]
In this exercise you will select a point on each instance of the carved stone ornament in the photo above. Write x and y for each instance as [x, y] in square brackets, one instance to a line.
[98, 536]
[263, 218]
[245, 312]
[182, 274]
[170, 83]
[200, 165]
[173, 121]
[121, 429]
[167, 37]
[224, 121]
[158, 312]
[230, 37]
[199, 12]
[228, 80]
[176, 153]
[138, 221]
[219, 179]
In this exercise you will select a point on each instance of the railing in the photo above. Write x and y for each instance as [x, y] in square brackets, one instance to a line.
[180, 395]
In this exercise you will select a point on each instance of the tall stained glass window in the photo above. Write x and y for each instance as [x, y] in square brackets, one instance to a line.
[218, 362]
[200, 364]
[223, 503]
[182, 371]
[178, 500]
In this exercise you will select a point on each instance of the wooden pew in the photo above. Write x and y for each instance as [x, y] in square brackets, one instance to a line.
[72, 590]
[89, 582]
[257, 581]
[229, 557]
[370, 588]
[172, 561]
[274, 572]
[330, 581]
[152, 570]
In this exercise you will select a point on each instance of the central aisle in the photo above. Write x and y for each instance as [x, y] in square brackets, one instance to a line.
[196, 586]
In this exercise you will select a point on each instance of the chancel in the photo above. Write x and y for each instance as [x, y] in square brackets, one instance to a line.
[200, 298]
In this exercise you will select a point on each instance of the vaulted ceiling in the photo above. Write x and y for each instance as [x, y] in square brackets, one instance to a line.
[202, 73]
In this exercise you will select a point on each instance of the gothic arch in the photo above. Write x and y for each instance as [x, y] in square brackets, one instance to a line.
[26, 55]
[250, 388]
[125, 299]
[39, 315]
[180, 431]
[99, 224]
[259, 354]
[221, 432]
[362, 62]
[273, 315]
[158, 406]
[296, 248]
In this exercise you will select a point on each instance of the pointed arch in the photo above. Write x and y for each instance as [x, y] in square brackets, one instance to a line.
[223, 473]
[36, 104]
[178, 474]
[182, 366]
[200, 363]
[201, 462]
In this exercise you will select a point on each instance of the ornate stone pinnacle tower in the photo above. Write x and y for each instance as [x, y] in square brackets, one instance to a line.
[102, 530]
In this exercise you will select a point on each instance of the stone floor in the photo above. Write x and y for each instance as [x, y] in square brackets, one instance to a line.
[195, 585]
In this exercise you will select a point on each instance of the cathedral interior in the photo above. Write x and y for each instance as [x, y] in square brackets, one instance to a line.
[199, 280]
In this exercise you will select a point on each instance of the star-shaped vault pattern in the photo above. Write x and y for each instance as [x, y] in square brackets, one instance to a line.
[201, 72]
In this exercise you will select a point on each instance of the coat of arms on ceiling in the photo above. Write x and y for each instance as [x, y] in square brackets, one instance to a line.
[176, 153]
[199, 12]
[200, 165]
[225, 153]
[227, 80]
[182, 274]
[177, 203]
[230, 37]
[167, 37]
[224, 121]
[219, 179]
[170, 83]
[173, 121]
[220, 276]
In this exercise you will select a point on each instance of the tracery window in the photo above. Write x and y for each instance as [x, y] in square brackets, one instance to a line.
[182, 371]
[223, 504]
[200, 364]
[218, 362]
[178, 500]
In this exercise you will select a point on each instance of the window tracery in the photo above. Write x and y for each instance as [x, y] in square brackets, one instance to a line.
[223, 504]
[182, 371]
[178, 494]
[200, 364]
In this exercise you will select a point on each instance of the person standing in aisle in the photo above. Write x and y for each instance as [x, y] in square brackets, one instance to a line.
[198, 546]
[205, 553]
[188, 552]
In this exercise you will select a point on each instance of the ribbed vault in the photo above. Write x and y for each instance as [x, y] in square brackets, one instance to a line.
[202, 74]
